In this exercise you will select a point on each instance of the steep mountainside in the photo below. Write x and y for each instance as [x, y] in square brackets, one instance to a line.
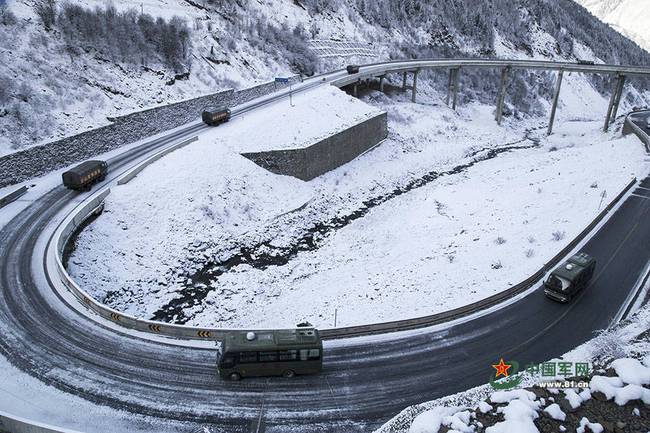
[630, 17]
[67, 67]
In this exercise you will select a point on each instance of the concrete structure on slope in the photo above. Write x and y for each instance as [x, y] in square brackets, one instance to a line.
[327, 154]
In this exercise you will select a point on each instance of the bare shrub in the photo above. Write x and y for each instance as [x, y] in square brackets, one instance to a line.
[608, 345]
[558, 235]
[531, 240]
[7, 17]
[46, 11]
[530, 253]
[500, 241]
[497, 265]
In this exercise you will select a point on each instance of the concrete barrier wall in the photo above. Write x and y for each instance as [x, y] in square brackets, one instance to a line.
[14, 424]
[328, 154]
[12, 196]
[629, 127]
[39, 160]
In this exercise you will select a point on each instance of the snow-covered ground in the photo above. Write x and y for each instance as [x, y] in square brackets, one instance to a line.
[448, 239]
[619, 385]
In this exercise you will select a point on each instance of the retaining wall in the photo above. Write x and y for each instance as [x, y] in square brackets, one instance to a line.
[328, 154]
[39, 160]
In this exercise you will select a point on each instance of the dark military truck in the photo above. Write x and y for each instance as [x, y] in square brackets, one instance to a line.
[353, 69]
[568, 279]
[215, 116]
[270, 353]
[83, 176]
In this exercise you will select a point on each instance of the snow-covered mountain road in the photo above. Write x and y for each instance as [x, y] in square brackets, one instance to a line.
[133, 384]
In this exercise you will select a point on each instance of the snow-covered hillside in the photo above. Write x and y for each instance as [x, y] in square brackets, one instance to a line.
[61, 81]
[399, 232]
[630, 17]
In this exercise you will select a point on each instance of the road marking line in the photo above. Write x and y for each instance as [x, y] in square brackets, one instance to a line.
[640, 196]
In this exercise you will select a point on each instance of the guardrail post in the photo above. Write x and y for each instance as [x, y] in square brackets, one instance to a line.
[613, 102]
[556, 96]
[381, 83]
[355, 89]
[404, 81]
[415, 84]
[501, 97]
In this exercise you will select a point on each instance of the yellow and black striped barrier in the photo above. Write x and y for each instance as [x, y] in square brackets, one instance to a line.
[203, 334]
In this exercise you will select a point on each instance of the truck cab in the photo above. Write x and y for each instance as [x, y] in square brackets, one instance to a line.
[569, 278]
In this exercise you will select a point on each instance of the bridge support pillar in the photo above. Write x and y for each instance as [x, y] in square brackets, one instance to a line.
[615, 99]
[355, 89]
[381, 83]
[452, 90]
[501, 97]
[415, 84]
[620, 87]
[556, 96]
[404, 81]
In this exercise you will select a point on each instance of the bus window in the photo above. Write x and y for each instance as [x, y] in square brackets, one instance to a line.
[247, 357]
[227, 361]
[288, 355]
[314, 354]
[268, 356]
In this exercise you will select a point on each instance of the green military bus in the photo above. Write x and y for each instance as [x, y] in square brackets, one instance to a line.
[284, 352]
[567, 280]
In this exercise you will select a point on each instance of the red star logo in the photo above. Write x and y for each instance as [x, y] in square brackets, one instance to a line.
[501, 368]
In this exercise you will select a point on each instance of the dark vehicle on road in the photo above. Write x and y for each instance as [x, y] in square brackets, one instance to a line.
[83, 176]
[585, 62]
[353, 69]
[568, 279]
[215, 116]
[270, 353]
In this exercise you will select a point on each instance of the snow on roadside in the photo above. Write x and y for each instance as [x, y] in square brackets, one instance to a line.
[205, 190]
[619, 389]
[459, 234]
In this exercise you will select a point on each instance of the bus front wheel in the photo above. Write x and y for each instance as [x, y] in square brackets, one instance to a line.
[288, 373]
[235, 376]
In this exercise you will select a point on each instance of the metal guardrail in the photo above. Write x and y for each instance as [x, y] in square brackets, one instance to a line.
[14, 424]
[12, 196]
[373, 69]
[630, 127]
[130, 175]
[85, 211]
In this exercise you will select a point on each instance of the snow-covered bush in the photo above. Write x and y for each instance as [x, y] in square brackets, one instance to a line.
[46, 11]
[607, 345]
[128, 36]
[558, 235]
[281, 42]
[7, 17]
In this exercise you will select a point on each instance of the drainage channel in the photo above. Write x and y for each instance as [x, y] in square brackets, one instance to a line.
[262, 255]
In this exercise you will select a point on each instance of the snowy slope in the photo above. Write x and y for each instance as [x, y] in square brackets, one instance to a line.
[630, 17]
[47, 94]
[399, 260]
